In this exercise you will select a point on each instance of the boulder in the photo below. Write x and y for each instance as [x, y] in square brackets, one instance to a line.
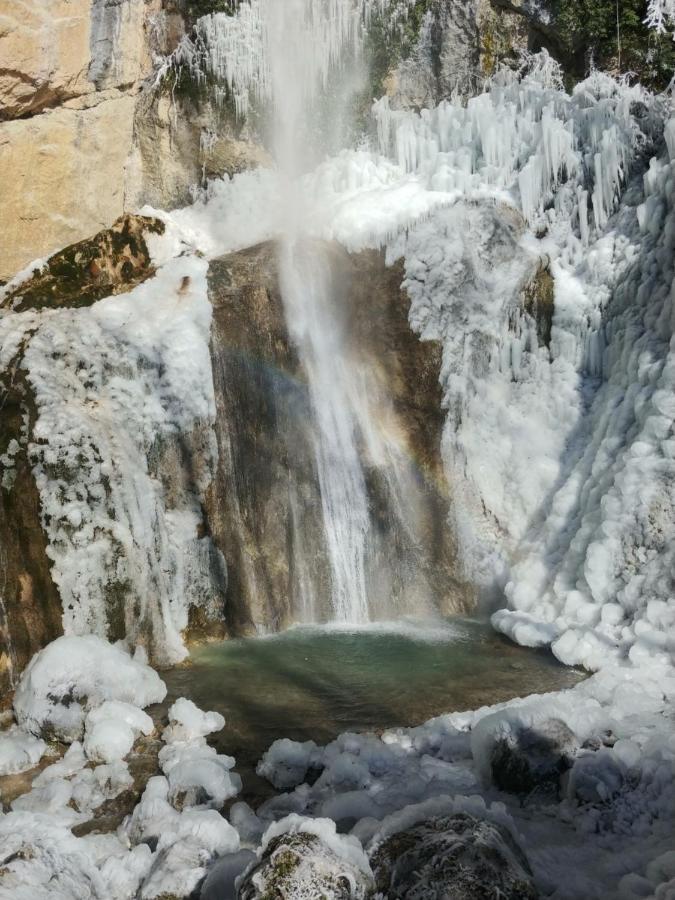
[456, 857]
[302, 864]
[527, 758]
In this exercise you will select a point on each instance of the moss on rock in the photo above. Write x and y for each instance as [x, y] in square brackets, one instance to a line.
[538, 298]
[112, 262]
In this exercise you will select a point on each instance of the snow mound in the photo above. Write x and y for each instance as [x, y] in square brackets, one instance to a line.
[198, 776]
[187, 722]
[19, 751]
[74, 675]
[112, 728]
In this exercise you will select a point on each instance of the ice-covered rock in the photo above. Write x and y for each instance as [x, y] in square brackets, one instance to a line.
[187, 722]
[526, 758]
[112, 728]
[185, 852]
[201, 777]
[73, 675]
[595, 777]
[198, 776]
[286, 763]
[303, 857]
[71, 790]
[41, 859]
[458, 857]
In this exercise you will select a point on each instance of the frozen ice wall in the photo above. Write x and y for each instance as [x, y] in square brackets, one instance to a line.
[120, 388]
[549, 283]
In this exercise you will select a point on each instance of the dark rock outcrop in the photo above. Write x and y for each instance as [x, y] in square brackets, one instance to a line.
[30, 606]
[264, 506]
[530, 759]
[457, 857]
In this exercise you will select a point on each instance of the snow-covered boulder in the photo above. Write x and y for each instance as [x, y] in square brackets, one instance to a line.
[458, 856]
[112, 728]
[307, 858]
[520, 755]
[595, 777]
[40, 858]
[187, 722]
[286, 763]
[185, 852]
[197, 775]
[73, 675]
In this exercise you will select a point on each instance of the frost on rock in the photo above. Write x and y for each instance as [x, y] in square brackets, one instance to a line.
[286, 763]
[116, 385]
[453, 856]
[74, 675]
[306, 858]
[559, 435]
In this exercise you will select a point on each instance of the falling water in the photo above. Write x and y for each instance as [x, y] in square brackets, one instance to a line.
[308, 297]
[304, 39]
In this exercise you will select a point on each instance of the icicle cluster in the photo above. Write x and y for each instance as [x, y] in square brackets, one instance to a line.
[526, 136]
[233, 51]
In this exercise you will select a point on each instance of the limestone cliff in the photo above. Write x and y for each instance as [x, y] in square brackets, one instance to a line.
[85, 134]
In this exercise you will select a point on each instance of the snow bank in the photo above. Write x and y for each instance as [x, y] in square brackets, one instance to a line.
[76, 674]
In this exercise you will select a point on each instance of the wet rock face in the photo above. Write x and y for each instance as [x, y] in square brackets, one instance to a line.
[532, 759]
[456, 858]
[266, 471]
[30, 606]
[301, 865]
[264, 507]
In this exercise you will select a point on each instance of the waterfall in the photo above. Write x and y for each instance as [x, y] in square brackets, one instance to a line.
[308, 298]
[378, 497]
[304, 38]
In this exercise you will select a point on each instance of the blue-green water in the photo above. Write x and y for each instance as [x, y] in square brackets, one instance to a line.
[315, 683]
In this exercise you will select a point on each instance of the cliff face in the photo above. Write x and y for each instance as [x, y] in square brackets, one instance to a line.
[84, 134]
[71, 70]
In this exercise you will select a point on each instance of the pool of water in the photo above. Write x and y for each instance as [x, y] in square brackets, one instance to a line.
[315, 683]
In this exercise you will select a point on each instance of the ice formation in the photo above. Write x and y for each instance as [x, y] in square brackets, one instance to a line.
[19, 751]
[114, 385]
[536, 249]
[236, 52]
[197, 776]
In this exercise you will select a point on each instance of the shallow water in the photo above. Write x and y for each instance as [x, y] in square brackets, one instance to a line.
[315, 683]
